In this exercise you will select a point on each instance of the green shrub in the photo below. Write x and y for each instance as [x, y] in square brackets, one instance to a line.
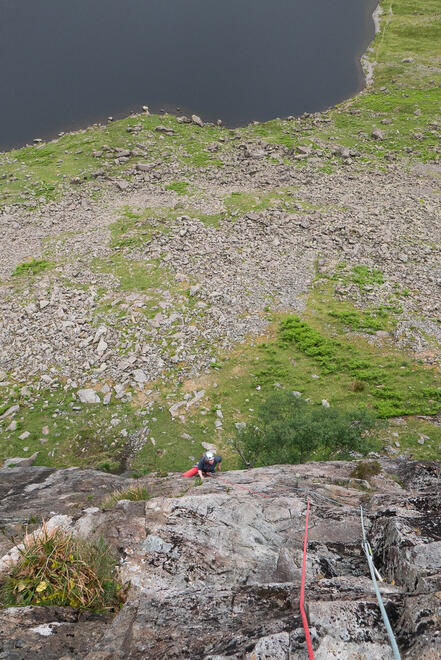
[32, 267]
[58, 569]
[107, 465]
[310, 342]
[287, 429]
[358, 385]
[362, 320]
[366, 469]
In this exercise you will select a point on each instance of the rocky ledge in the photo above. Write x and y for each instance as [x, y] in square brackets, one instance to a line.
[215, 569]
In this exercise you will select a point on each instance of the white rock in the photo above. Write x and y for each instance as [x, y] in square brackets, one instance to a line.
[102, 346]
[326, 403]
[102, 330]
[24, 435]
[197, 120]
[20, 462]
[88, 396]
[139, 376]
[174, 409]
[45, 629]
[10, 411]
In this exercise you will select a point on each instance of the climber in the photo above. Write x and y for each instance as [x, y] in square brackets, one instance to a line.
[208, 464]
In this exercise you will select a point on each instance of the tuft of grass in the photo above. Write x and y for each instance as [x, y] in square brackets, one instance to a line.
[365, 321]
[33, 267]
[366, 469]
[57, 569]
[180, 187]
[134, 493]
[363, 275]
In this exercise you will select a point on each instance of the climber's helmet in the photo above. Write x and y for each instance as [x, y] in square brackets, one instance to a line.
[209, 456]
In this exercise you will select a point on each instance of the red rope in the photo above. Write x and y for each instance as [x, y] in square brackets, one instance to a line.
[302, 588]
[302, 592]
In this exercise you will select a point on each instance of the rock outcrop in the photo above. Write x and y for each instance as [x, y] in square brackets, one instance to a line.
[215, 570]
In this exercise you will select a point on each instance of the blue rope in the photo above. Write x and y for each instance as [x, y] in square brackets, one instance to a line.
[368, 552]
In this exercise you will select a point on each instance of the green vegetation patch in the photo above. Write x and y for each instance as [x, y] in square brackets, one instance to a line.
[366, 470]
[59, 570]
[133, 275]
[66, 433]
[288, 429]
[133, 229]
[33, 267]
[180, 187]
[392, 385]
[134, 493]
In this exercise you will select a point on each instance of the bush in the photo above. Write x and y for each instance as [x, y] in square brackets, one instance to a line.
[58, 569]
[287, 429]
[366, 469]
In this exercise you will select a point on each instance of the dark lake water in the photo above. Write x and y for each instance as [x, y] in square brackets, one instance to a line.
[65, 64]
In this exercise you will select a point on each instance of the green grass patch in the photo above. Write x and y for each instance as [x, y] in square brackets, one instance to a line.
[393, 386]
[134, 229]
[133, 275]
[365, 321]
[134, 493]
[33, 267]
[66, 433]
[180, 187]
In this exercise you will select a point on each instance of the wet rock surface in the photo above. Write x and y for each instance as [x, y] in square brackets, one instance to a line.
[215, 570]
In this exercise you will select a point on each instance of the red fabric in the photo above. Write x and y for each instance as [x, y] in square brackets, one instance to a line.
[191, 473]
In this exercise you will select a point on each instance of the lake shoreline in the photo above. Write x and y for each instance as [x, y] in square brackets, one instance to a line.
[363, 79]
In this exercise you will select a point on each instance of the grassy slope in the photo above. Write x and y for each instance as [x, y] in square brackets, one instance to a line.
[34, 175]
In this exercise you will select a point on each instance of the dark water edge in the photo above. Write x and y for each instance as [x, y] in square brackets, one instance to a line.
[65, 66]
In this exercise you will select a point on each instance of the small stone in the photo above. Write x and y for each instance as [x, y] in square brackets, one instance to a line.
[377, 134]
[88, 396]
[145, 167]
[326, 403]
[24, 435]
[139, 376]
[122, 185]
[20, 462]
[197, 120]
